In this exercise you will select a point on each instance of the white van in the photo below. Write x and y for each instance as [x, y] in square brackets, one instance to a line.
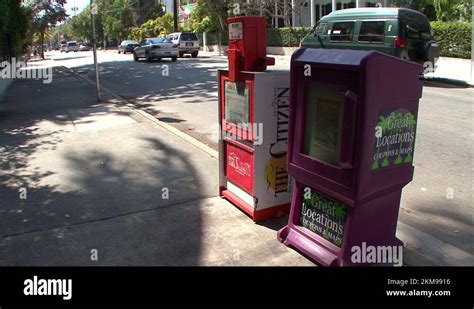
[188, 43]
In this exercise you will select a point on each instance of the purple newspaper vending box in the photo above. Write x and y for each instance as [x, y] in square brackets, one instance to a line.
[353, 117]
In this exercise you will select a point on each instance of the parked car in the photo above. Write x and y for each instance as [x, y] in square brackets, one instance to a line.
[156, 48]
[71, 47]
[127, 46]
[85, 47]
[62, 48]
[188, 43]
[399, 32]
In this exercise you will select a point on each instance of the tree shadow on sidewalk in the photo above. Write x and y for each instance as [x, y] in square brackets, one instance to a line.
[120, 193]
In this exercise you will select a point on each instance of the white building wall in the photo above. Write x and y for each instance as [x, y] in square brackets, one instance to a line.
[302, 17]
[168, 5]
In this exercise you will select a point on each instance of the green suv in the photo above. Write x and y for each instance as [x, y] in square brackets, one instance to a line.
[399, 32]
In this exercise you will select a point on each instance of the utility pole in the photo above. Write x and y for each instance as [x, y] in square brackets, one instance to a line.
[175, 15]
[96, 64]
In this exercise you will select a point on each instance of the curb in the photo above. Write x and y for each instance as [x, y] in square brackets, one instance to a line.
[443, 80]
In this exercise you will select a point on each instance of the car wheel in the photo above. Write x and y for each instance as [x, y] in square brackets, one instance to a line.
[181, 54]
[194, 54]
[119, 51]
[135, 57]
[174, 58]
[148, 57]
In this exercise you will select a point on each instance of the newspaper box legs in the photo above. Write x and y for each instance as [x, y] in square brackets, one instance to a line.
[352, 136]
[253, 120]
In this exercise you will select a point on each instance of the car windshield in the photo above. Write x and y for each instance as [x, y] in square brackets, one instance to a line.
[71, 44]
[188, 37]
[159, 41]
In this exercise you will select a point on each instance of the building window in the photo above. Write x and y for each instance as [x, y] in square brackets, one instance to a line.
[372, 32]
[342, 32]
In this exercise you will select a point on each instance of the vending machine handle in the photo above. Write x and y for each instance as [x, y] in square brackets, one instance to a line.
[348, 131]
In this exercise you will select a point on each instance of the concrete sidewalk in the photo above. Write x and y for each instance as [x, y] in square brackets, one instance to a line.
[454, 70]
[78, 177]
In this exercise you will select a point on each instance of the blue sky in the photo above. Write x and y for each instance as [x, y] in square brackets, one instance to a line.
[80, 4]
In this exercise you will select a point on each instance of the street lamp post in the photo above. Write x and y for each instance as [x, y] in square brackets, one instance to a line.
[94, 43]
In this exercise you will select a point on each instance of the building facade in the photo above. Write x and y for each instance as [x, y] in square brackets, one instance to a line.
[306, 13]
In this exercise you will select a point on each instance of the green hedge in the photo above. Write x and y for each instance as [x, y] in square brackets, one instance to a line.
[453, 38]
[287, 37]
[213, 38]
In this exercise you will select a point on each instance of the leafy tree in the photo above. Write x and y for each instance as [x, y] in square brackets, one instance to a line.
[216, 10]
[80, 25]
[144, 10]
[441, 10]
[14, 26]
[47, 13]
[453, 10]
[203, 19]
[117, 19]
[154, 27]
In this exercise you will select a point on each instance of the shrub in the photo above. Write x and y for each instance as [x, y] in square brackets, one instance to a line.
[286, 37]
[454, 38]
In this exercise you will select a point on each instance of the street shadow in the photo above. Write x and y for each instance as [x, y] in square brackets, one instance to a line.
[275, 223]
[68, 58]
[128, 202]
[170, 120]
[190, 80]
[445, 84]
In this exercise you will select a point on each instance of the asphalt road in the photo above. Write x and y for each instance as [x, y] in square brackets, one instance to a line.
[438, 201]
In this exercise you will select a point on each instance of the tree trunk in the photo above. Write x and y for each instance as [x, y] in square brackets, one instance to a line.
[42, 45]
[10, 49]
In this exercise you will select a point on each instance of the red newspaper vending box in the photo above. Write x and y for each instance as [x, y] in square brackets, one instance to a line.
[253, 115]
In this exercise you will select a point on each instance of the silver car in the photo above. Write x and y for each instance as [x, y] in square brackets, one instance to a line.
[71, 47]
[156, 48]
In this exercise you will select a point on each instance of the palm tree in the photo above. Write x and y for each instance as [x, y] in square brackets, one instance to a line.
[340, 212]
[411, 124]
[385, 162]
[400, 131]
[326, 233]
